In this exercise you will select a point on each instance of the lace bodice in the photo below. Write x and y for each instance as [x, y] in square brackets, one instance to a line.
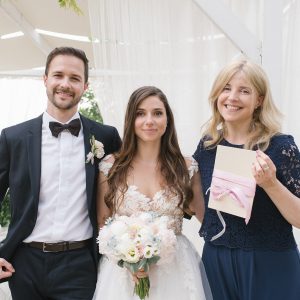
[267, 228]
[163, 202]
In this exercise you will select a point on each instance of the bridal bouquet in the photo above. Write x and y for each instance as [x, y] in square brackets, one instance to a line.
[136, 242]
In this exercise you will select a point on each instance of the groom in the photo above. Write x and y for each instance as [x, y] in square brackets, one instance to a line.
[50, 250]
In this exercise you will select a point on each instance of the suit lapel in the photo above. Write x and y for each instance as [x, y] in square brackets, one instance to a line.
[34, 145]
[89, 167]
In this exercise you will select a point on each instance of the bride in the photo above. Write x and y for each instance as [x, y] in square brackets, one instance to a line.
[150, 174]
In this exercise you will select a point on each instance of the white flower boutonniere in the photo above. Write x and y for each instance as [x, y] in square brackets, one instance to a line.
[97, 150]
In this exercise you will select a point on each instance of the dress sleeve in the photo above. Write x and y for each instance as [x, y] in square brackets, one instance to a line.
[288, 168]
[192, 166]
[106, 164]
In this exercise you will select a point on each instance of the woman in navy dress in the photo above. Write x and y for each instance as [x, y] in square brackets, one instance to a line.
[258, 261]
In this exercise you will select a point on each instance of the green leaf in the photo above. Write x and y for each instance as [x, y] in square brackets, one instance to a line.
[72, 4]
[143, 264]
[132, 267]
[121, 263]
[89, 107]
[153, 259]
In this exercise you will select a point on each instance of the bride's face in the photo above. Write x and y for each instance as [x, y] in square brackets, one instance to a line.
[151, 120]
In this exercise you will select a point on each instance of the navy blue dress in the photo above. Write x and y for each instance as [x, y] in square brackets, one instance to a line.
[258, 261]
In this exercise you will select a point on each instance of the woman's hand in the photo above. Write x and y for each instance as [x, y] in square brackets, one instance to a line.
[264, 171]
[139, 274]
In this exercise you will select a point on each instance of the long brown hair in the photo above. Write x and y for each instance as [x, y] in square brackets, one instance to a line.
[172, 163]
[266, 117]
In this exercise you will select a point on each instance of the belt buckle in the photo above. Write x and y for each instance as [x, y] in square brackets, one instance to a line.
[44, 248]
[63, 247]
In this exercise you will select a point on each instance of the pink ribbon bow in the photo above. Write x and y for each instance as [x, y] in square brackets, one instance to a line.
[237, 187]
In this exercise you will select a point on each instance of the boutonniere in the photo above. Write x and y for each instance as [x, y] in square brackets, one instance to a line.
[97, 150]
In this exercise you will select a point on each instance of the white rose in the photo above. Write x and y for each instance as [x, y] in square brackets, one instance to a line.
[148, 251]
[99, 149]
[132, 255]
[118, 228]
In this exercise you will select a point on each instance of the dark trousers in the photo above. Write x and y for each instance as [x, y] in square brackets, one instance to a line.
[68, 275]
[236, 274]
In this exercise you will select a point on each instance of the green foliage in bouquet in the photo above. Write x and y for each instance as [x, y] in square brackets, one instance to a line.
[142, 287]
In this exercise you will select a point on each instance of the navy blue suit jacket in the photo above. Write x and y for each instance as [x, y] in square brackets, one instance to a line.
[20, 171]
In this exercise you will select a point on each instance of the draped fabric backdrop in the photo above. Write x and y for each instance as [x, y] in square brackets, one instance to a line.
[290, 103]
[171, 44]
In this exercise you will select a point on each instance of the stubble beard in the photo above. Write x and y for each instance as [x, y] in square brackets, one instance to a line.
[67, 105]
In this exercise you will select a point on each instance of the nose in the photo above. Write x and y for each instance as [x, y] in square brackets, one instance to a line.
[65, 82]
[149, 119]
[233, 95]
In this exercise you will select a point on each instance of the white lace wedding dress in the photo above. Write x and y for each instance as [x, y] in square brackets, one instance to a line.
[183, 279]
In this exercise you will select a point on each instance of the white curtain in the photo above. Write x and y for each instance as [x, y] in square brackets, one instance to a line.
[291, 68]
[167, 43]
[171, 44]
[21, 99]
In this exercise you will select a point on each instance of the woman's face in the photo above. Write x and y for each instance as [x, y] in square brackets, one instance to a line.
[237, 101]
[151, 120]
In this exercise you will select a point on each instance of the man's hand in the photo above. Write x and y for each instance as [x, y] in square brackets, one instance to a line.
[6, 269]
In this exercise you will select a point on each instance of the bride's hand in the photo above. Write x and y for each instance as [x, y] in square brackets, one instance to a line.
[139, 274]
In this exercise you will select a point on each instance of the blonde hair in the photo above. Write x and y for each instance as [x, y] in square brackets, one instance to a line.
[266, 117]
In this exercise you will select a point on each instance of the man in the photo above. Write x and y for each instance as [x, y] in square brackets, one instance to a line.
[50, 165]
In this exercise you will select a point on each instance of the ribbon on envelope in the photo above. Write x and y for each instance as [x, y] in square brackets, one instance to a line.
[238, 188]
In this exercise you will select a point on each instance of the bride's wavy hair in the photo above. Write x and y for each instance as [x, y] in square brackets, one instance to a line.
[171, 161]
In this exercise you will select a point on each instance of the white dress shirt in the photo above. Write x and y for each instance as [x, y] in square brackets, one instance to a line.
[62, 210]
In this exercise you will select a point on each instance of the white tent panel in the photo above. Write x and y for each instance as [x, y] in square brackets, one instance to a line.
[27, 15]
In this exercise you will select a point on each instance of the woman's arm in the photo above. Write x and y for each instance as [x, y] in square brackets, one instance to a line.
[264, 172]
[197, 204]
[103, 212]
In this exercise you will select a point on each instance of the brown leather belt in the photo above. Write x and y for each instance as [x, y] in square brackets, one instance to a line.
[58, 247]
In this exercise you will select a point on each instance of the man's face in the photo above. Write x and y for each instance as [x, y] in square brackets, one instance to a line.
[65, 83]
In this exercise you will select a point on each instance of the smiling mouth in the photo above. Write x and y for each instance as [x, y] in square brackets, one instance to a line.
[232, 107]
[64, 93]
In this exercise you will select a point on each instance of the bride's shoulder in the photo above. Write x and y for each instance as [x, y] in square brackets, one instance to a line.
[191, 164]
[106, 164]
[110, 158]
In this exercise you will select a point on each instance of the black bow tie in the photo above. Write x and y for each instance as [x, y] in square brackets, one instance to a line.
[74, 127]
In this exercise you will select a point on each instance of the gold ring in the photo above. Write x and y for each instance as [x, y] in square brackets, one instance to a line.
[266, 167]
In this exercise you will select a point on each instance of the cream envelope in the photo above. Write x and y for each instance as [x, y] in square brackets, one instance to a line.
[237, 164]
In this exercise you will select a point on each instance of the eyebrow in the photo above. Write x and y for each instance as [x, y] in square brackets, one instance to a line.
[157, 108]
[72, 75]
[241, 87]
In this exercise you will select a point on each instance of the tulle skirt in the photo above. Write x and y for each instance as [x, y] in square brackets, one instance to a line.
[183, 279]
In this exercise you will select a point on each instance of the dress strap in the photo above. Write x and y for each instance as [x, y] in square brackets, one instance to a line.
[105, 164]
[192, 166]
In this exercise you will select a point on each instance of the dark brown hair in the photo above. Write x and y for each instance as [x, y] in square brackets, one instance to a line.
[172, 163]
[72, 52]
